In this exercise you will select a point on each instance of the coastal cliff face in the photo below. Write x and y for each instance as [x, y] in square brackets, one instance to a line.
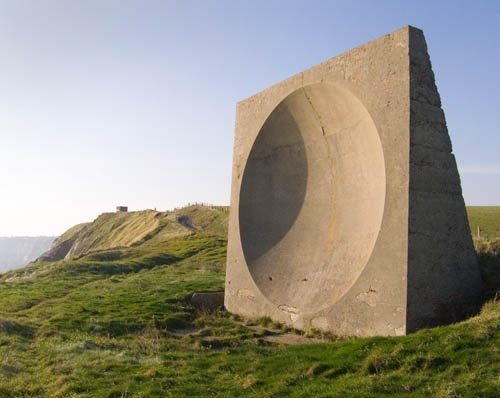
[18, 251]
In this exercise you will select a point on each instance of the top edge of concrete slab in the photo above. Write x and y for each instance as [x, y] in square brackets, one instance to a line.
[407, 28]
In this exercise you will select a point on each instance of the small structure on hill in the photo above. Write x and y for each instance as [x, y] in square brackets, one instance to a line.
[121, 209]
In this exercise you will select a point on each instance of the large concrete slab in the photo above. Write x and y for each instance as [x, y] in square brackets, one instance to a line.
[346, 208]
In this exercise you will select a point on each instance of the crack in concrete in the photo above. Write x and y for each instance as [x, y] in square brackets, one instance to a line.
[328, 149]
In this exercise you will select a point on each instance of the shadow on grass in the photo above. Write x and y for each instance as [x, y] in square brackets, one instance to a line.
[12, 327]
[489, 263]
[488, 254]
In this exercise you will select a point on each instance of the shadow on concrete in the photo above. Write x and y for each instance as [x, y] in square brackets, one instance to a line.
[274, 184]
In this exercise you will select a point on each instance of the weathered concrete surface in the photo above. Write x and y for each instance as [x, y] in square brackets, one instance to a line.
[444, 283]
[346, 208]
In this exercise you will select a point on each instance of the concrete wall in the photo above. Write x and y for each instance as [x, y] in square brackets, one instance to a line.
[321, 200]
[444, 283]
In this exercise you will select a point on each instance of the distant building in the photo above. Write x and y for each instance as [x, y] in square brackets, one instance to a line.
[121, 209]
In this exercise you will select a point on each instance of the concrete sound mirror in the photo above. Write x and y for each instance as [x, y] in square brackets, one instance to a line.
[346, 207]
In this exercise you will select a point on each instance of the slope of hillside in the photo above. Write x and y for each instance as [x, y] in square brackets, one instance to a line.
[18, 251]
[120, 323]
[122, 230]
[61, 246]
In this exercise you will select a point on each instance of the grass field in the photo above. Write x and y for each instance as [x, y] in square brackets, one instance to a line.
[487, 218]
[120, 323]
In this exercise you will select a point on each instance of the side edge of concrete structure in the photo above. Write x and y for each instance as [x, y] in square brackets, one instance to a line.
[444, 283]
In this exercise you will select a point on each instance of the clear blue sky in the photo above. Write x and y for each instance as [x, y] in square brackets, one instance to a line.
[105, 103]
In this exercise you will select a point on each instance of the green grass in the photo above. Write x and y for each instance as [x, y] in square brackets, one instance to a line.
[120, 323]
[488, 243]
[488, 220]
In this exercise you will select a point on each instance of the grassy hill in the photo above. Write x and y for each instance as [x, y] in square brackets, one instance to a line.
[123, 230]
[118, 322]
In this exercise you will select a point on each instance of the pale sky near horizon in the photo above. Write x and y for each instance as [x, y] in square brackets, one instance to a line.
[104, 103]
